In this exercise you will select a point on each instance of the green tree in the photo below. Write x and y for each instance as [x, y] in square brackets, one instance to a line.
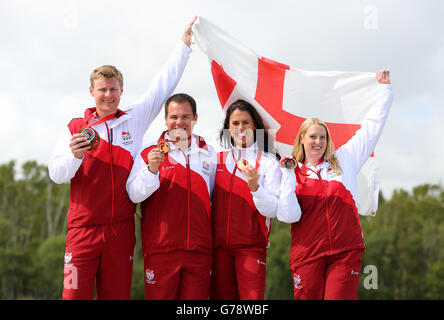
[404, 241]
[49, 268]
[138, 281]
[33, 209]
[279, 283]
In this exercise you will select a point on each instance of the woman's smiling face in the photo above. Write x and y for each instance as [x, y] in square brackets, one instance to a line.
[314, 142]
[242, 128]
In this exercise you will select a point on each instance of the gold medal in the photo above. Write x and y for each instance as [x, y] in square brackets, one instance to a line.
[242, 163]
[163, 146]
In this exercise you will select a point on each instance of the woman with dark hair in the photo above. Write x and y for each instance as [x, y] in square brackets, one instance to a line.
[245, 198]
[261, 137]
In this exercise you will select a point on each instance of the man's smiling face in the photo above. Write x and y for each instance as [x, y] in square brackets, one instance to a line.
[106, 93]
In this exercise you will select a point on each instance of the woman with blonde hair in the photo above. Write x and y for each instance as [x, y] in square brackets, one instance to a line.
[299, 151]
[318, 198]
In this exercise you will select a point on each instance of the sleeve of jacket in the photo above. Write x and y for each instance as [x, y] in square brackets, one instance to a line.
[266, 197]
[141, 182]
[289, 210]
[213, 168]
[62, 165]
[149, 105]
[359, 148]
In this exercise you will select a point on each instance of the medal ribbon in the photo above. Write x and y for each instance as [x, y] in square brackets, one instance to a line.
[174, 141]
[301, 173]
[108, 117]
[165, 141]
[258, 158]
[301, 177]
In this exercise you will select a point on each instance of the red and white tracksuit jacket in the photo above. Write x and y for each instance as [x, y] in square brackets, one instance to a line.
[242, 218]
[98, 195]
[321, 206]
[176, 212]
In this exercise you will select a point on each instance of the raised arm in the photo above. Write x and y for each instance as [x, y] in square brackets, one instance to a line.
[186, 36]
[165, 82]
[359, 148]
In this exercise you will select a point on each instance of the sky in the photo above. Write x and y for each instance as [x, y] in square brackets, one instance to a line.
[49, 48]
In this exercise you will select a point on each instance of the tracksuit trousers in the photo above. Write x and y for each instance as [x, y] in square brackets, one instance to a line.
[238, 274]
[101, 256]
[177, 275]
[333, 277]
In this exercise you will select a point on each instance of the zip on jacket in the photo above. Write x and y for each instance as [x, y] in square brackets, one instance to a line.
[176, 200]
[89, 205]
[96, 197]
[237, 221]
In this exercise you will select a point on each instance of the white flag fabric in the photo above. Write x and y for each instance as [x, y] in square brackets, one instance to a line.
[285, 96]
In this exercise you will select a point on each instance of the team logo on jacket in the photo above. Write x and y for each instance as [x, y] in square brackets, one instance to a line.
[297, 281]
[332, 173]
[205, 168]
[68, 257]
[126, 138]
[149, 276]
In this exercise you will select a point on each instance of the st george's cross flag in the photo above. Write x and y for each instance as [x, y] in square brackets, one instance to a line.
[285, 96]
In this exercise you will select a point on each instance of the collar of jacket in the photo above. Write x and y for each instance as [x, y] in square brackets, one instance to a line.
[323, 163]
[253, 149]
[302, 173]
[120, 117]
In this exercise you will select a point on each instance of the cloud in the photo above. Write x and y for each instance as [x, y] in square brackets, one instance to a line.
[50, 47]
[10, 139]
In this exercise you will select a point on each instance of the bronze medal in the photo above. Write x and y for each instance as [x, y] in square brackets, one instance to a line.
[92, 136]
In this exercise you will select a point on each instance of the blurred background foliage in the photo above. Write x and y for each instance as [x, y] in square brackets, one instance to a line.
[405, 242]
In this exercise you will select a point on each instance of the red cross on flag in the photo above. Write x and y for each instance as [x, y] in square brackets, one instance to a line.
[285, 96]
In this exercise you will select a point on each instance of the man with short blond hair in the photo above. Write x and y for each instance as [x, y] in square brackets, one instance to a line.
[108, 72]
[95, 153]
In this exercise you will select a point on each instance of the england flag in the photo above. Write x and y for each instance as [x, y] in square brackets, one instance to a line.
[285, 96]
